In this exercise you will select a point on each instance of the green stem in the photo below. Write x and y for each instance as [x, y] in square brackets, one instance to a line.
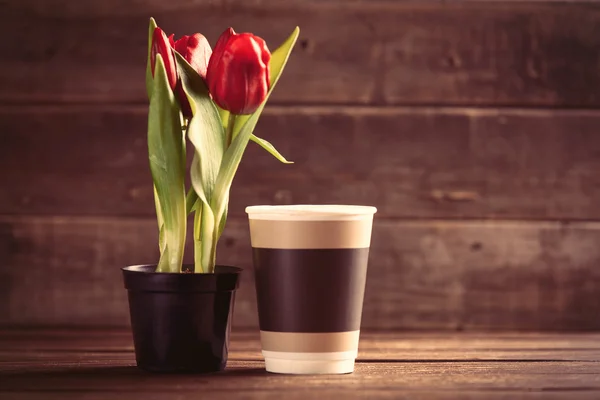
[218, 224]
[229, 131]
[197, 240]
[213, 252]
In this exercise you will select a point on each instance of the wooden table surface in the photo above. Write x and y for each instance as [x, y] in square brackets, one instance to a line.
[100, 364]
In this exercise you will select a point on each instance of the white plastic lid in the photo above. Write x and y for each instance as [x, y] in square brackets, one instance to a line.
[311, 212]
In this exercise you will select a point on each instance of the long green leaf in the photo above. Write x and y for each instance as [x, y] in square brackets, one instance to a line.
[233, 155]
[270, 148]
[204, 231]
[162, 245]
[167, 164]
[223, 220]
[205, 131]
[198, 238]
[191, 201]
[149, 79]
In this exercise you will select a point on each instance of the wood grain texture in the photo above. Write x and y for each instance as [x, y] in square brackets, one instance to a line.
[31, 346]
[248, 378]
[380, 52]
[302, 394]
[382, 371]
[423, 275]
[408, 162]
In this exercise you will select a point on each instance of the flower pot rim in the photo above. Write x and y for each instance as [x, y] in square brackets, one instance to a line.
[139, 268]
[144, 278]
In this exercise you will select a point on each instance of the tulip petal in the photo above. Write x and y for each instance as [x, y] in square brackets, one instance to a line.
[160, 45]
[223, 39]
[238, 73]
[216, 59]
[196, 50]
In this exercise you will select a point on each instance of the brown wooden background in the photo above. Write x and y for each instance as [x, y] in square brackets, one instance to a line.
[473, 126]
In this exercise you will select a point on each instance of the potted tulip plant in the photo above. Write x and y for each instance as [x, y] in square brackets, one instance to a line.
[181, 314]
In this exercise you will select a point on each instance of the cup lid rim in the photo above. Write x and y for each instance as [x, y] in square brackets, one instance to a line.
[310, 212]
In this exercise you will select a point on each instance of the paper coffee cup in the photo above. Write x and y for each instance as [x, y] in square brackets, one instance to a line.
[310, 267]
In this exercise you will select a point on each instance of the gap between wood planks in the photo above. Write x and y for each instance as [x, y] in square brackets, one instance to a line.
[591, 224]
[357, 109]
[111, 7]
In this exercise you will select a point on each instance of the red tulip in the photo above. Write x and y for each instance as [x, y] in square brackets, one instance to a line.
[161, 45]
[196, 50]
[238, 72]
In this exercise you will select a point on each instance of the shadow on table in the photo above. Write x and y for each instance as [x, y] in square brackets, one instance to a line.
[111, 378]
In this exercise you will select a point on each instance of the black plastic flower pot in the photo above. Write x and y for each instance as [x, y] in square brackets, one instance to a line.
[181, 322]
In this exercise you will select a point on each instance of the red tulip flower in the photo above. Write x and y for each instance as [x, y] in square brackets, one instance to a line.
[195, 49]
[161, 45]
[238, 72]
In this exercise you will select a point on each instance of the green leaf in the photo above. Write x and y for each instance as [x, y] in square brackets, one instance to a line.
[223, 220]
[167, 163]
[162, 242]
[208, 238]
[234, 153]
[149, 79]
[198, 268]
[191, 201]
[162, 245]
[198, 239]
[270, 148]
[224, 114]
[205, 131]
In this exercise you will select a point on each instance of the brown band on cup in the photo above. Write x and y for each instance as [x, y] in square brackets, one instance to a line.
[314, 290]
[293, 342]
[278, 234]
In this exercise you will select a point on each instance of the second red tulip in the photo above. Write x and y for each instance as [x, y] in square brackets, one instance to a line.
[238, 72]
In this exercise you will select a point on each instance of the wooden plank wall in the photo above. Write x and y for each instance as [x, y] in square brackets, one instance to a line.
[473, 126]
